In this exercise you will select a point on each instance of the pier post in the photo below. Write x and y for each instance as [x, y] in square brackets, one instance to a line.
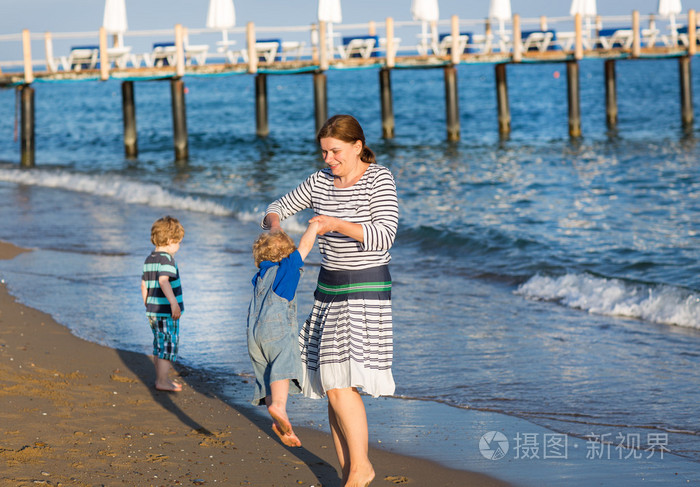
[451, 103]
[104, 57]
[179, 51]
[692, 32]
[686, 91]
[390, 48]
[129, 118]
[610, 94]
[517, 40]
[262, 127]
[250, 46]
[27, 55]
[572, 75]
[636, 40]
[578, 39]
[320, 99]
[387, 104]
[177, 90]
[323, 49]
[502, 99]
[27, 148]
[455, 54]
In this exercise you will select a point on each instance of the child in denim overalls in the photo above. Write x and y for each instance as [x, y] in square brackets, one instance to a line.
[273, 331]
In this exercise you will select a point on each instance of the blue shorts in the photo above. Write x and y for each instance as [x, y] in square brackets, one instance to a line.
[274, 352]
[166, 334]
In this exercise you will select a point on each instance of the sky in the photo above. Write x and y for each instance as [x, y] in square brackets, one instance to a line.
[86, 15]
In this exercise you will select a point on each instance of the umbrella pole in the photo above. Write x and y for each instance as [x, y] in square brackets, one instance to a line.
[502, 34]
[674, 30]
[330, 39]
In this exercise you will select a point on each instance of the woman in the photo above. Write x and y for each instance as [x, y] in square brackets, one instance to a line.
[346, 343]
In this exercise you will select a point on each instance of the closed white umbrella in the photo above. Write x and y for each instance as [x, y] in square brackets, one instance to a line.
[329, 12]
[114, 19]
[221, 15]
[425, 11]
[670, 8]
[500, 10]
[587, 9]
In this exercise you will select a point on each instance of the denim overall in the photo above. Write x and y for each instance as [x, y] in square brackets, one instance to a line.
[273, 343]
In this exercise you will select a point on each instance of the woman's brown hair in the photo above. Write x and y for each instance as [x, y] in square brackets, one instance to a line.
[347, 129]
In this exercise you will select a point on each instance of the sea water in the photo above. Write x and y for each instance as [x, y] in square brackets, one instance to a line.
[550, 280]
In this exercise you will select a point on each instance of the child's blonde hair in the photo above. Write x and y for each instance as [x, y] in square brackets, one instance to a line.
[166, 230]
[273, 247]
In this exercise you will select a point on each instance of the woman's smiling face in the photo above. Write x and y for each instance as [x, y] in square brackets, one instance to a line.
[342, 157]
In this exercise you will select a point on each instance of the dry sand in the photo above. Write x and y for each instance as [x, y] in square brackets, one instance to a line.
[75, 413]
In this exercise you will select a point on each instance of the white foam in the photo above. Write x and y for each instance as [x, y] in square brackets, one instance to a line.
[613, 297]
[114, 187]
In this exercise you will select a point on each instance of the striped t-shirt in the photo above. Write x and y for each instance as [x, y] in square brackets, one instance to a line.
[161, 264]
[371, 202]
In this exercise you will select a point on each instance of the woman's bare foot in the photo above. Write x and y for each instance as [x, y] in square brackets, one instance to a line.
[360, 477]
[289, 439]
[169, 386]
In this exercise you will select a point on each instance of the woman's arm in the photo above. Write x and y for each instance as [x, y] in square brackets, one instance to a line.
[384, 210]
[332, 224]
[289, 204]
[272, 221]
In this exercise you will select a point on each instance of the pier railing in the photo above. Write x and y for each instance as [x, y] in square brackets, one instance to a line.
[170, 54]
[478, 40]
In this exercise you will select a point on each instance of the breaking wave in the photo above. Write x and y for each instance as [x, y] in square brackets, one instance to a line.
[614, 297]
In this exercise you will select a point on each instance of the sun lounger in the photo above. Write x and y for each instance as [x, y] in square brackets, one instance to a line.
[444, 47]
[539, 40]
[480, 43]
[163, 54]
[291, 49]
[358, 46]
[567, 40]
[649, 37]
[619, 37]
[82, 57]
[196, 52]
[682, 36]
[267, 49]
[121, 56]
[395, 41]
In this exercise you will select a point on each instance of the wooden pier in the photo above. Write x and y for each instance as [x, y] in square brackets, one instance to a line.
[385, 61]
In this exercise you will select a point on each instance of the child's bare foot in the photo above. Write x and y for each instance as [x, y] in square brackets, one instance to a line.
[169, 386]
[360, 477]
[289, 439]
[279, 415]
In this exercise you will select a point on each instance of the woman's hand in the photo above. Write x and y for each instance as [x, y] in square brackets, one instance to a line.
[273, 220]
[326, 224]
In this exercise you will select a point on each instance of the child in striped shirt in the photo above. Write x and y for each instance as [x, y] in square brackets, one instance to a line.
[162, 296]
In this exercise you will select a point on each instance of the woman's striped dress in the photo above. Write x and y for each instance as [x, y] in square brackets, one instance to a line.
[347, 339]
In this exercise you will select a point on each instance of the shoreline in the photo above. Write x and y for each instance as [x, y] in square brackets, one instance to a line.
[79, 413]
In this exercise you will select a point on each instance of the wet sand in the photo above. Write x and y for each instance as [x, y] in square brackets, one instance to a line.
[80, 414]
